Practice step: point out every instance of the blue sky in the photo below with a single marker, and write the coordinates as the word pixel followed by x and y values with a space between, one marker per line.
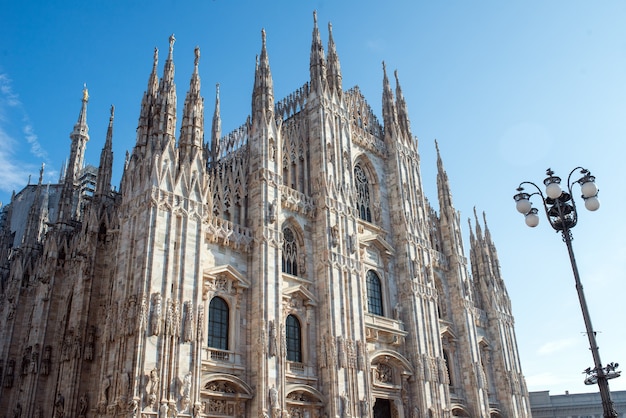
pixel 507 88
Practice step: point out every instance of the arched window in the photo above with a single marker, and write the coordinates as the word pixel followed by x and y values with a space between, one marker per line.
pixel 290 252
pixel 218 324
pixel 293 336
pixel 363 194
pixel 374 294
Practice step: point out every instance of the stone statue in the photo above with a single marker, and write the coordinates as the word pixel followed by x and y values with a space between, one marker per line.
pixel 82 406
pixel 59 406
pixel 154 381
pixel 155 315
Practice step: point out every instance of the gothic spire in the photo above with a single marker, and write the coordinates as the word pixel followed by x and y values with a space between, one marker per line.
pixel 389 108
pixel 79 137
pixel 443 185
pixel 147 103
pixel 403 113
pixel 216 131
pixel 32 232
pixel 167 101
pixel 103 184
pixel 192 128
pixel 334 68
pixel 318 62
pixel 263 93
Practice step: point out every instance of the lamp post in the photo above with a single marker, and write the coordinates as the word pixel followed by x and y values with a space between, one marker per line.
pixel 560 209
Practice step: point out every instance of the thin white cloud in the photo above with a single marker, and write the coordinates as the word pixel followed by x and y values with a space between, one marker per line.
pixel 10 101
pixel 13 173
pixel 552 347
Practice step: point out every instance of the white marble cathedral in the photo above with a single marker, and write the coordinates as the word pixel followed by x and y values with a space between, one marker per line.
pixel 291 268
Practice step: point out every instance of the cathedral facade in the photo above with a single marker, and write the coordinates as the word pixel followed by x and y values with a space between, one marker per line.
pixel 290 268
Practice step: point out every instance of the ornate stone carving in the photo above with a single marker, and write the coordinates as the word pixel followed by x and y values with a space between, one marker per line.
pixel 272 339
pixel 8 378
pixel 90 343
pixel 59 406
pixel 341 352
pixel 188 321
pixel 155 314
pixel 83 404
pixel 383 373
pixel 46 359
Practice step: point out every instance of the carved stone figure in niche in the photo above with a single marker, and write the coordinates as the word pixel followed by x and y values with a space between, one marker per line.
pixel 397 312
pixel 271 212
pixel 83 402
pixel 45 361
pixel 59 406
pixel 187 385
pixel 123 386
pixel 341 350
pixel 188 322
pixel 200 327
pixel 360 355
pixel 131 314
pixel 67 345
pixel 377 211
pixel 274 402
pixel 345 405
pixel 8 379
pixel 334 235
pixel 26 360
pixel 106 384
pixel 143 314
pixel 155 315
pixel 302 264
pixel 89 344
pixel 34 360
pixel 351 353
pixel 154 381
pixel 76 346
pixel 272 339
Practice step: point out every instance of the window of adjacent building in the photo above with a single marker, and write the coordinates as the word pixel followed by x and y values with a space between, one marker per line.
pixel 293 339
pixel 290 252
pixel 218 324
pixel 374 294
pixel 363 194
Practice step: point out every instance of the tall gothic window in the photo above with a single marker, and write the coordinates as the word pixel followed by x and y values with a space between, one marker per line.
pixel 293 337
pixel 290 252
pixel 218 324
pixel 374 294
pixel 363 194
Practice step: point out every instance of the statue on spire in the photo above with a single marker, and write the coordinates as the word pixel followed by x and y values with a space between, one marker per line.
pixel 85 93
pixel 196 51
pixel 172 40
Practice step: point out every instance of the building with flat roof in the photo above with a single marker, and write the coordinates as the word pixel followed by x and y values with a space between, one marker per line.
pixel 575 405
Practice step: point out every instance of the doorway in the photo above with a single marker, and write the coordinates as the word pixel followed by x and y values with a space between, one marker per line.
pixel 382 408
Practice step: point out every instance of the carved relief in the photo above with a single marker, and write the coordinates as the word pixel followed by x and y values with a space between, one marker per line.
pixel 383 373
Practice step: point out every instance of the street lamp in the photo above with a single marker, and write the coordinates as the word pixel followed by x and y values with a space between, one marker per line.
pixel 560 209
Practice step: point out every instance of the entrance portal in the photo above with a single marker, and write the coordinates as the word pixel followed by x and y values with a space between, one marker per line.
pixel 382 408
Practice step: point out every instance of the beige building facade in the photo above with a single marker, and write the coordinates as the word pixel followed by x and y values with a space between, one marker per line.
pixel 290 268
